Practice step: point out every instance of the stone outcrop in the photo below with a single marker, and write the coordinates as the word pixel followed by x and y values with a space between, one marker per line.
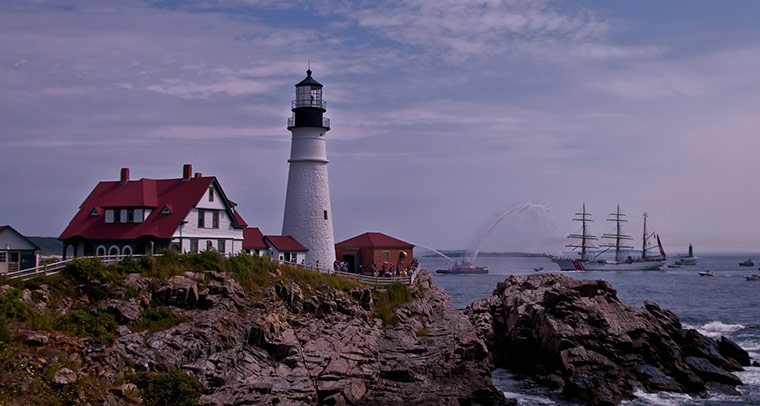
pixel 297 344
pixel 579 337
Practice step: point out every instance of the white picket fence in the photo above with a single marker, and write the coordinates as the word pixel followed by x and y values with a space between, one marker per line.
pixel 56 267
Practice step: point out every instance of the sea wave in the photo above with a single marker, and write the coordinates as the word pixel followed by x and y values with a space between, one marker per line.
pixel 750 376
pixel 715 329
pixel 523 399
pixel 660 398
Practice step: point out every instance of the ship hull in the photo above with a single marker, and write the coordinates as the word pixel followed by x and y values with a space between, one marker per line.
pixel 566 264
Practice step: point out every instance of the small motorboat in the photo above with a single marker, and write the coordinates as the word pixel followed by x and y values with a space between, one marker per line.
pixel 674 266
pixel 748 262
pixel 754 277
pixel 706 273
pixel 539 269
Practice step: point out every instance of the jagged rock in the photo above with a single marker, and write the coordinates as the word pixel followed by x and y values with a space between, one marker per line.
pixel 125 312
pixel 65 376
pixel 578 336
pixel 177 291
pixel 296 345
pixel 34 338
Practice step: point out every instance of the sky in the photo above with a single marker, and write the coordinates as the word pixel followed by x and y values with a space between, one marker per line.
pixel 444 113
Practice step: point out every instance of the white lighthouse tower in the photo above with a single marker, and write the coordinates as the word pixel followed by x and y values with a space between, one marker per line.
pixel 308 214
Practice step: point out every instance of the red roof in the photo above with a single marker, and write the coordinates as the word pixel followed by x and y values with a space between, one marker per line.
pixel 253 239
pixel 285 243
pixel 373 240
pixel 180 195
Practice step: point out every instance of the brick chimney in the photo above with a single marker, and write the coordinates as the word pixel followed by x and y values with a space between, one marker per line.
pixel 187 171
pixel 124 178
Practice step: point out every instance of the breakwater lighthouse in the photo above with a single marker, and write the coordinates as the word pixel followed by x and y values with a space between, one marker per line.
pixel 308 214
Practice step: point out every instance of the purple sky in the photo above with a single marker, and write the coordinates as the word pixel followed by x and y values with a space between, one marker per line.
pixel 443 116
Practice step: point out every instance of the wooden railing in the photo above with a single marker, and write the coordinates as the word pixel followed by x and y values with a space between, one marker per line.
pixel 56 267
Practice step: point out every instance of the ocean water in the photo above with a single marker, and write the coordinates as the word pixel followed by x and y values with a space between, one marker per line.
pixel 726 304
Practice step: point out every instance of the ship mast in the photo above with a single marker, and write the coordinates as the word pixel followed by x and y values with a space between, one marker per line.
pixel 644 239
pixel 619 237
pixel 585 237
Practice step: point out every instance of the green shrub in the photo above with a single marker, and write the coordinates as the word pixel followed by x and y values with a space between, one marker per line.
pixel 155 319
pixel 250 271
pixel 390 299
pixel 167 388
pixel 206 261
pixel 99 325
pixel 11 307
pixel 88 270
pixel 423 332
pixel 5 333
pixel 128 265
pixel 318 280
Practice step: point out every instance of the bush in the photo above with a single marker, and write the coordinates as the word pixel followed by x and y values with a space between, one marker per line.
pixel 390 299
pixel 167 388
pixel 318 280
pixel 155 319
pixel 101 326
pixel 11 307
pixel 88 270
pixel 5 334
pixel 206 261
pixel 250 271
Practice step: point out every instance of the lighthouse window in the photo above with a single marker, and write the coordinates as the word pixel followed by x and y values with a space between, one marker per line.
pixel 325 212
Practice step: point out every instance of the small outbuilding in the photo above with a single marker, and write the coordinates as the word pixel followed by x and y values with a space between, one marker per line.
pixel 374 248
pixel 16 251
pixel 286 248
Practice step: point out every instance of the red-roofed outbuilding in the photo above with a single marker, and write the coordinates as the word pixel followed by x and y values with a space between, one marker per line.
pixel 125 217
pixel 374 248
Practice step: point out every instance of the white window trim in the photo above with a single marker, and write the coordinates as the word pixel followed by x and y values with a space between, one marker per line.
pixel 98 251
pixel 125 249
pixel 111 248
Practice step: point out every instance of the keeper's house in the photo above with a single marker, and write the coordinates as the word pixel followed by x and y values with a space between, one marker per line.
pixel 16 251
pixel 126 217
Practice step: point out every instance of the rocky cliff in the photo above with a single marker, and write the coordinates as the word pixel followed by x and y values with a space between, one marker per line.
pixel 289 338
pixel 579 337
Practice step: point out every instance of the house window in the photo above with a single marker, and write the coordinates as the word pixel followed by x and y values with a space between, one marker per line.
pixel 210 194
pixel 127 250
pixel 13 257
pixel 100 251
pixel 139 215
pixel 114 250
pixel 386 256
pixel 201 219
pixel 193 245
pixel 222 246
pixel 325 213
pixel 3 256
pixel 215 219
pixel 209 245
pixel 109 215
pixel 123 216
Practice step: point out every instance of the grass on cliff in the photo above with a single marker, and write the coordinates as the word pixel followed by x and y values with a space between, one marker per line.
pixel 153 319
pixel 167 388
pixel 390 299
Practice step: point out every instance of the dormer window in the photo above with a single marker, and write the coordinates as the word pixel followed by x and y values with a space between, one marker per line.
pixel 166 210
pixel 94 213
pixel 109 215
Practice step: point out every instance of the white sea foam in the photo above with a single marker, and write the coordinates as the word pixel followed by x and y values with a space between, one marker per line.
pixel 750 375
pixel 523 399
pixel 715 329
pixel 660 398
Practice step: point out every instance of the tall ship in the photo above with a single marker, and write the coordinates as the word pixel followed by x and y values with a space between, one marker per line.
pixel 589 260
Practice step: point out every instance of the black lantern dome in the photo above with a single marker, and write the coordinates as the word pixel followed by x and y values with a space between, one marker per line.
pixel 308 108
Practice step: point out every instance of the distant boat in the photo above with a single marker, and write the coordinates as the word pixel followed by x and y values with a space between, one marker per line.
pixel 464 267
pixel 621 262
pixel 753 277
pixel 706 273
pixel 689 260
pixel 674 266
pixel 747 263
pixel 539 269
